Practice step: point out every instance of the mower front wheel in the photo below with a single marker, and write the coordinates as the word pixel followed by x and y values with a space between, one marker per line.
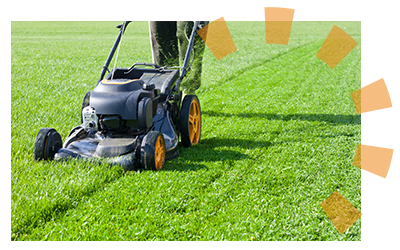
pixel 47 143
pixel 152 151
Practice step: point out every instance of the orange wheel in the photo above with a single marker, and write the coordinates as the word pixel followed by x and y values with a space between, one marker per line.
pixel 159 154
pixel 152 151
pixel 190 122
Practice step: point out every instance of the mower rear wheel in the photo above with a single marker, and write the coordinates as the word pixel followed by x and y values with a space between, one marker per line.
pixel 152 151
pixel 47 143
pixel 190 121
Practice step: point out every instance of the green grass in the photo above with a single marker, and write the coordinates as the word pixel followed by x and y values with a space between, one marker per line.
pixel 279 135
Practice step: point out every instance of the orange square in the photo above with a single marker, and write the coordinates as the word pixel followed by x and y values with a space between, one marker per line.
pixel 340 212
pixel 335 47
pixel 218 39
pixel 371 97
pixel 375 96
pixel 278 24
pixel 373 159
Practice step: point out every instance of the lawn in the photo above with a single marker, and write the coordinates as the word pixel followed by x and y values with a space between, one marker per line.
pixel 279 135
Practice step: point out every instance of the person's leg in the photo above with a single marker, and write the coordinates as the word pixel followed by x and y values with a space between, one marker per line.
pixel 192 81
pixel 164 43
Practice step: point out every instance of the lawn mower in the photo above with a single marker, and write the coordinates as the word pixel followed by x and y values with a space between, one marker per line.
pixel 132 118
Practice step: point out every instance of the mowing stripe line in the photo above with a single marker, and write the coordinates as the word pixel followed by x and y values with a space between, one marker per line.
pixel 251 67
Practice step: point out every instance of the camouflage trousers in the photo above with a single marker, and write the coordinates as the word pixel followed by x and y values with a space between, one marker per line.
pixel 169 41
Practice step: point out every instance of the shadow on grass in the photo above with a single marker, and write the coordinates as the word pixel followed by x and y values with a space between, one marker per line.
pixel 213 150
pixel 329 118
pixel 223 149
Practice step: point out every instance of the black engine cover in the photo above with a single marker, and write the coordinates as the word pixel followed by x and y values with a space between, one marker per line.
pixel 119 97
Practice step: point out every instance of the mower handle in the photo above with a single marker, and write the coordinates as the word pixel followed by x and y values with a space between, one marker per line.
pixel 144 64
pixel 124 24
pixel 122 28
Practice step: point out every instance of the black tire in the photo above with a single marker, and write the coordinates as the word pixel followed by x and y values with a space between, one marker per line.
pixel 152 151
pixel 47 144
pixel 190 121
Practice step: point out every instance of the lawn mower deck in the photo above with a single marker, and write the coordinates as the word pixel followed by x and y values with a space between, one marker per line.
pixel 132 118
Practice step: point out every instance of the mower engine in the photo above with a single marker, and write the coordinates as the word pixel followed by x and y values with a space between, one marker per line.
pixel 120 105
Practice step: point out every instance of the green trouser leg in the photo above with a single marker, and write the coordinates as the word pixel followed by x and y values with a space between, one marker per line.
pixel 167 52
pixel 192 81
pixel 164 43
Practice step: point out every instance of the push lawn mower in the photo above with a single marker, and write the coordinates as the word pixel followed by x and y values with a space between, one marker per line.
pixel 133 117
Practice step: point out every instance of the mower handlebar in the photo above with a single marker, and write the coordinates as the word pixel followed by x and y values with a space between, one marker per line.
pixel 124 24
pixel 122 28
pixel 144 64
